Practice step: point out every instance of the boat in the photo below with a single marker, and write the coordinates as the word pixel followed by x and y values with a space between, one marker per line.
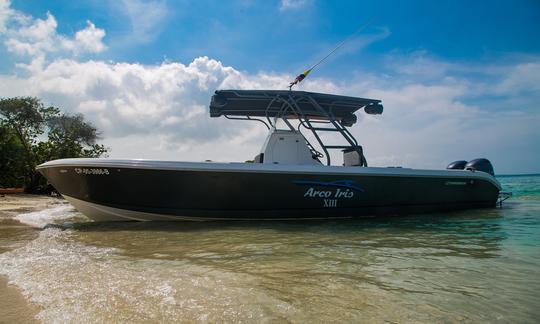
pixel 291 178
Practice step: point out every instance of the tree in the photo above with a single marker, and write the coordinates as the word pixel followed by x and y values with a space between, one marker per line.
pixel 23 122
pixel 24 118
pixel 12 159
pixel 71 136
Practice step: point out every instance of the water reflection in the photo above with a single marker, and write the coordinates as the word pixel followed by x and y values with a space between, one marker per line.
pixel 472 234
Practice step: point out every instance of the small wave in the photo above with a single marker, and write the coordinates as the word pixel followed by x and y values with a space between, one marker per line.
pixel 47 216
pixel 74 282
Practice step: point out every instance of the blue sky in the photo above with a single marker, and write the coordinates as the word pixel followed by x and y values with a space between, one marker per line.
pixel 260 35
pixel 459 79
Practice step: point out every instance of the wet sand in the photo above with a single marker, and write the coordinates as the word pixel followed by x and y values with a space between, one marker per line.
pixel 14 307
pixel 20 203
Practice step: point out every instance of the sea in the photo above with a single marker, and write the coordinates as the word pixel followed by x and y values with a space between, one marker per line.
pixel 469 266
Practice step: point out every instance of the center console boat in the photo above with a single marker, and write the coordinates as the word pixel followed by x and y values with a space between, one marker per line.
pixel 291 178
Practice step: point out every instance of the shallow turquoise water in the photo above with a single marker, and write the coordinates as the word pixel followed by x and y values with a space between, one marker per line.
pixel 471 266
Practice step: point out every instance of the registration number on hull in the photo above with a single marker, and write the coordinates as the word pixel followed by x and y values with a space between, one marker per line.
pixel 92 171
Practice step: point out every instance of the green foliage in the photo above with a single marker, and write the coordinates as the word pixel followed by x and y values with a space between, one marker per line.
pixel 24 122
pixel 71 136
pixel 12 159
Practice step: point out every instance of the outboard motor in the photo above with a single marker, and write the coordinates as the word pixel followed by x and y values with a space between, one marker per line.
pixel 480 165
pixel 457 165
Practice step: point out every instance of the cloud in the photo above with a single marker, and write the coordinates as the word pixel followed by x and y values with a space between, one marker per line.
pixel 522 78
pixel 161 111
pixel 146 18
pixel 123 99
pixel 419 65
pixel 293 4
pixel 89 39
pixel 356 43
pixel 5 13
pixel 37 38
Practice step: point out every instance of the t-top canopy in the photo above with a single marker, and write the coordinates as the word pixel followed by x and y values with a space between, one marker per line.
pixel 291 104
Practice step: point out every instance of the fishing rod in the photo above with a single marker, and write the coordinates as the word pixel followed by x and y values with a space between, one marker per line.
pixel 303 75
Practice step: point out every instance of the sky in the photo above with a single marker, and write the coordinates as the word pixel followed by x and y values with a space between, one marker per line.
pixel 458 79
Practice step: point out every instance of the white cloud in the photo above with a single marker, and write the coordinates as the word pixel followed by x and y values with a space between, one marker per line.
pixel 146 18
pixel 89 39
pixel 37 38
pixel 167 101
pixel 354 44
pixel 292 4
pixel 419 65
pixel 160 111
pixel 522 78
pixel 33 39
pixel 5 13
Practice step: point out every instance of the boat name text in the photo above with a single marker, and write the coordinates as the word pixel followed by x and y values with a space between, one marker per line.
pixel 338 193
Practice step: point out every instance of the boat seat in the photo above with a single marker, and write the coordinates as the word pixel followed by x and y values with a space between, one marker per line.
pixel 354 157
pixel 259 158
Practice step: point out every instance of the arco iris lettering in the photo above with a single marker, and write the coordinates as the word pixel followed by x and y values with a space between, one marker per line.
pixel 336 193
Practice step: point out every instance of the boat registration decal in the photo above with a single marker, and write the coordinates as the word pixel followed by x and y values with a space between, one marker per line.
pixel 92 171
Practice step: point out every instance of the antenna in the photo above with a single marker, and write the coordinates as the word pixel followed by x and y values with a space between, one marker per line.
pixel 303 75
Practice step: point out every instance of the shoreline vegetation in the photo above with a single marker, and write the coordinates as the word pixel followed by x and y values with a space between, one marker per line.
pixel 32 133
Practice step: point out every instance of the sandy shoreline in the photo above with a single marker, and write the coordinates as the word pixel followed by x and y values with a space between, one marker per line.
pixel 14 307
pixel 21 203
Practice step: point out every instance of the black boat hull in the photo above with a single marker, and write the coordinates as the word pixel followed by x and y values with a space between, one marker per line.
pixel 141 191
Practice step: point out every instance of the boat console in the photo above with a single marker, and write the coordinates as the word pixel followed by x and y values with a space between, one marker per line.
pixel 286 147
pixel 315 112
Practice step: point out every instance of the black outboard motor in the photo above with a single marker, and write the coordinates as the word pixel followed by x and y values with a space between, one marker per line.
pixel 480 165
pixel 457 165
